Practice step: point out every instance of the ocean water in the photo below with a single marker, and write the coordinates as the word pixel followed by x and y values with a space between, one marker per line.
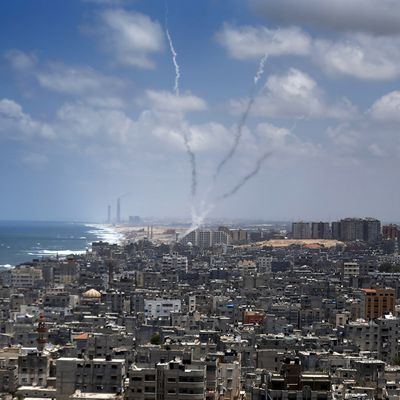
pixel 22 241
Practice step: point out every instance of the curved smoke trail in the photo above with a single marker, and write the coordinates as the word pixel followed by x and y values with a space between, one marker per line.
pixel 247 177
pixel 243 120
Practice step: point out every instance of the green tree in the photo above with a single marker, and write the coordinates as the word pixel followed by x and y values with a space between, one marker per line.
pixel 155 338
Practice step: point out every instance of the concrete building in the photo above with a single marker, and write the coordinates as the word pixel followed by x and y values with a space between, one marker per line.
pixel 264 264
pixel 390 231
pixel 292 383
pixel 174 262
pixel 367 230
pixel 376 303
pixel 167 381
pixel 301 230
pixel 33 368
pixel 350 269
pixel 161 307
pixel 352 229
pixel 89 375
pixel 26 277
pixel 320 230
pixel 206 238
pixel 336 230
pixel 372 230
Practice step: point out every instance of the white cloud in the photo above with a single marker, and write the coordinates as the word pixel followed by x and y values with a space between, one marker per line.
pixel 281 140
pixel 360 56
pixel 15 123
pixel 294 94
pixel 209 137
pixel 380 17
pixel 168 101
pixel 80 120
pixel 345 137
pixel 111 102
pixel 387 108
pixel 76 80
pixel 254 42
pixel 131 37
pixel 19 60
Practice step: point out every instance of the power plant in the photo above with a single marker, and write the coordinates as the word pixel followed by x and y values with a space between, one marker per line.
pixel 118 221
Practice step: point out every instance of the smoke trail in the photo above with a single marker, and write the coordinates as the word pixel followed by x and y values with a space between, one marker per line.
pixel 238 136
pixel 174 60
pixel 243 119
pixel 198 218
pixel 192 156
pixel 260 70
pixel 192 159
pixel 247 177
pixel 239 132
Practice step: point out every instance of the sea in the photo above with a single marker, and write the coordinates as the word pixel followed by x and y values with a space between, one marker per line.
pixel 22 241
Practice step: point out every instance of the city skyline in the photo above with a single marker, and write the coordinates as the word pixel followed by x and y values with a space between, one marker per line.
pixel 93 105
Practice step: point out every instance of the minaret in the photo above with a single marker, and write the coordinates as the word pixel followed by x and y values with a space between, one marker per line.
pixel 41 333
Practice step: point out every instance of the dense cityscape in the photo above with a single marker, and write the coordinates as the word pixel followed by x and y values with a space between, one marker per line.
pixel 198 200
pixel 221 313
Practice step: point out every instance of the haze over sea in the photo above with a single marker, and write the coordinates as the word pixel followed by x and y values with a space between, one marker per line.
pixel 21 241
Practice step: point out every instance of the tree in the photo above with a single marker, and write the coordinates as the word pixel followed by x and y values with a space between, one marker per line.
pixel 155 339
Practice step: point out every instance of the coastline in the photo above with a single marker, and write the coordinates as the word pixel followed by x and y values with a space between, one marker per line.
pixel 22 242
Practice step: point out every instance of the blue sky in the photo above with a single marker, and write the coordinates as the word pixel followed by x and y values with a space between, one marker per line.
pixel 88 109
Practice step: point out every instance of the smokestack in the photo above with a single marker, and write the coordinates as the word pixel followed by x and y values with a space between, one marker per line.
pixel 118 210
pixel 109 214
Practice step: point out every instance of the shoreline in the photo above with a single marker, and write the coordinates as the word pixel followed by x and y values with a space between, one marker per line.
pixel 58 243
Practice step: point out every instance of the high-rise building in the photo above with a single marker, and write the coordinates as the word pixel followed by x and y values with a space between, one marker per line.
pixel 336 230
pixel 367 230
pixel 320 230
pixel 352 229
pixel 376 303
pixel 372 230
pixel 109 214
pixel 390 231
pixel 205 238
pixel 301 230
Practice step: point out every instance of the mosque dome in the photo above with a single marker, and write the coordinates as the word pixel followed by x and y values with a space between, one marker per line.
pixel 92 294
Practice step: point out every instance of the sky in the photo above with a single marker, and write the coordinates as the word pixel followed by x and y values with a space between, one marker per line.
pixel 288 109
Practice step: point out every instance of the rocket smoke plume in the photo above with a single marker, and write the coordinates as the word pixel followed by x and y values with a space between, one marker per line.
pixel 192 156
pixel 260 70
pixel 246 178
pixel 192 159
pixel 243 119
pixel 199 217
pixel 177 69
